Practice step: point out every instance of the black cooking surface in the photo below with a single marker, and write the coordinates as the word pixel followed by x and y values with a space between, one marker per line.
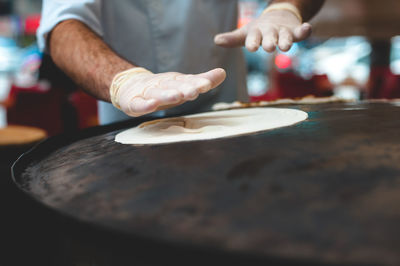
pixel 327 189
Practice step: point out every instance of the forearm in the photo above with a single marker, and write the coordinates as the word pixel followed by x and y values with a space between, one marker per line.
pixel 84 57
pixel 307 8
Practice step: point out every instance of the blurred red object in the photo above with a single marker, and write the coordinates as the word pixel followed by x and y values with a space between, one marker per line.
pixel 86 108
pixel 383 84
pixel 51 109
pixel 35 106
pixel 283 61
pixel 31 24
pixel 290 85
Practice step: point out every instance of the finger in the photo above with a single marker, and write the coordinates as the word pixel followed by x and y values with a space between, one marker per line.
pixel 189 89
pixel 253 40
pixel 201 84
pixel 215 76
pixel 285 39
pixel 163 94
pixel 234 38
pixel 139 106
pixel 270 40
pixel 302 32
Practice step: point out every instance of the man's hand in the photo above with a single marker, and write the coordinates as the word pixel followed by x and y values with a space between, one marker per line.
pixel 138 91
pixel 274 28
pixel 86 58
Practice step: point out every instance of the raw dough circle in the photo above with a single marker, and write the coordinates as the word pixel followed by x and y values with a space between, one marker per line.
pixel 211 125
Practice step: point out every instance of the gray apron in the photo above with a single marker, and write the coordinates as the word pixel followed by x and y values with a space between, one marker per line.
pixel 162 36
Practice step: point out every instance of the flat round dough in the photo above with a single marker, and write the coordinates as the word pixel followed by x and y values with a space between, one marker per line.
pixel 211 125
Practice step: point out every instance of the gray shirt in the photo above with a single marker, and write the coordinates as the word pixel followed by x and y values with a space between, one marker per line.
pixel 162 36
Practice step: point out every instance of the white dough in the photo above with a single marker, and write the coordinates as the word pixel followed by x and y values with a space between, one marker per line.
pixel 211 125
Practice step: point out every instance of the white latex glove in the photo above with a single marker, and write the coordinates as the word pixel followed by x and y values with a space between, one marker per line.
pixel 275 27
pixel 138 91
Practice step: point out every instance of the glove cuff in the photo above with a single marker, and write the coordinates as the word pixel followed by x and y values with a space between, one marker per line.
pixel 120 79
pixel 284 6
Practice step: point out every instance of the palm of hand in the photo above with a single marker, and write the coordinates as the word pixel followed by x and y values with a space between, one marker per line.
pixel 147 92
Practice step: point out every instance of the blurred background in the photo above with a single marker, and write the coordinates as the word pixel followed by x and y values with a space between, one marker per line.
pixel 354 54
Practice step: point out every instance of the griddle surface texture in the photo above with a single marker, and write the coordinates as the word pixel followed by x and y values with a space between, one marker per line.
pixel 327 189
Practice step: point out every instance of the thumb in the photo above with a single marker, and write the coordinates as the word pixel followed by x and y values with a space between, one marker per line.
pixel 138 106
pixel 215 76
pixel 234 38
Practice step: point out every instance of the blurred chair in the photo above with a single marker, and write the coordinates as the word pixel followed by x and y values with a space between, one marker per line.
pixel 54 104
pixel 290 85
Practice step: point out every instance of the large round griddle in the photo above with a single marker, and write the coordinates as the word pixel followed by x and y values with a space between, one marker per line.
pixel 324 190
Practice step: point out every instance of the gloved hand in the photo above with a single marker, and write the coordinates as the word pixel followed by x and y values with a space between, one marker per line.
pixel 279 25
pixel 138 91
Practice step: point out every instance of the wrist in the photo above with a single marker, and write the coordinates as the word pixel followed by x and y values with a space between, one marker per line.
pixel 284 6
pixel 120 79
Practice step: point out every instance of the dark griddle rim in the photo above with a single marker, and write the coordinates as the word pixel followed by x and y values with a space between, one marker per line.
pixel 179 253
